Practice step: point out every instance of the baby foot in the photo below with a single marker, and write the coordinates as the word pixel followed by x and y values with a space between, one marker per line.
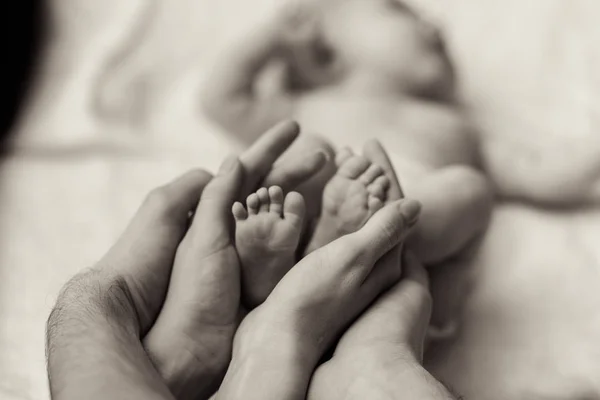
pixel 350 198
pixel 279 343
pixel 267 235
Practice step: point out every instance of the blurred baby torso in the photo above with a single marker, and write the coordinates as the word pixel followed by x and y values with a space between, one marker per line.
pixel 419 135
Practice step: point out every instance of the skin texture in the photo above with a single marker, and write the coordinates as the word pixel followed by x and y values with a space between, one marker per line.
pixel 267 235
pixel 312 305
pixel 129 287
pixel 357 190
pixel 353 69
pixel 378 357
pixel 93 336
pixel 269 227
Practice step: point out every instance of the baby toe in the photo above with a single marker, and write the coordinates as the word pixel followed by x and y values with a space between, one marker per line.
pixel 384 182
pixel 263 198
pixel 379 188
pixel 372 173
pixel 353 167
pixel 276 196
pixel 239 212
pixel 376 191
pixel 252 203
pixel 374 204
pixel 294 208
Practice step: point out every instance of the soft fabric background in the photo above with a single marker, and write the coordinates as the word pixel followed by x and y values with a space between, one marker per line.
pixel 115 112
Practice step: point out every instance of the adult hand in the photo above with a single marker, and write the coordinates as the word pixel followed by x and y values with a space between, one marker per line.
pixel 380 355
pixel 280 342
pixel 93 337
pixel 149 286
pixel 190 343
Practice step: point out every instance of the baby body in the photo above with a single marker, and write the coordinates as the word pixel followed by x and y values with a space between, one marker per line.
pixel 360 69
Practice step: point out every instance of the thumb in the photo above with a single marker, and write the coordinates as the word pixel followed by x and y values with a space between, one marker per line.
pixel 292 174
pixel 214 209
pixel 387 228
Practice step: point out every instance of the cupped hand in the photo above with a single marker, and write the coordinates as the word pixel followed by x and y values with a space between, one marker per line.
pixel 148 286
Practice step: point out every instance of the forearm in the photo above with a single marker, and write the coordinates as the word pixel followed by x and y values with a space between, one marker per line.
pixel 271 369
pixel 93 347
pixel 231 95
pixel 410 382
pixel 242 63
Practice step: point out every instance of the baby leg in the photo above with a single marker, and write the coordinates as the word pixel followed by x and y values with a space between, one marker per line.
pixel 457 204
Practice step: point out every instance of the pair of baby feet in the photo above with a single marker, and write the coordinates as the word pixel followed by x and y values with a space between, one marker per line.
pixel 352 258
pixel 270 228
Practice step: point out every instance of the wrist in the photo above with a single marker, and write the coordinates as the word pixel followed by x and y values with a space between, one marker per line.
pixel 370 373
pixel 259 340
pixel 386 380
pixel 271 371
pixel 191 369
pixel 263 358
pixel 93 346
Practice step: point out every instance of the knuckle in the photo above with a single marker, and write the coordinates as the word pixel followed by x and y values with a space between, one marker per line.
pixel 200 174
pixel 93 292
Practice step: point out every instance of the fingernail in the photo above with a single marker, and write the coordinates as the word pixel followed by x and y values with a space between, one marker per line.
pixel 228 165
pixel 410 210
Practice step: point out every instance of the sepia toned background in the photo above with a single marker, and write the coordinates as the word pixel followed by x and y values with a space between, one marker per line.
pixel 113 110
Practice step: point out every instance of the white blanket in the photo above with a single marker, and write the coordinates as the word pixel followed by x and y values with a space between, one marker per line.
pixel 115 112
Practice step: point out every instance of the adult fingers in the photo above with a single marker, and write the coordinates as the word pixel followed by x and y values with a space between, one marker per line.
pixel 259 159
pixel 211 228
pixel 379 244
pixel 386 229
pixel 190 342
pixel 206 245
pixel 296 171
pixel 144 254
pixel 373 252
pixel 167 208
